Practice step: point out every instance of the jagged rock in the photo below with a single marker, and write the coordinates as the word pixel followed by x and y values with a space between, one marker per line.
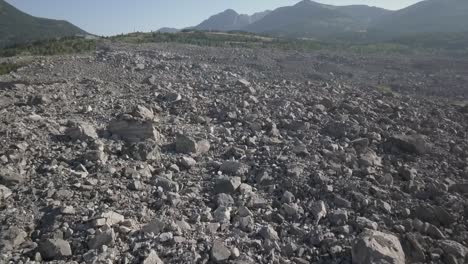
pixel 112 218
pixel 9 177
pixel 434 215
pixel 413 144
pixel 233 168
pixel 319 211
pixel 166 184
pixel 81 131
pixel 104 236
pixel 222 214
pixel 339 217
pixel 54 249
pixel 267 232
pixel 186 145
pixel 460 188
pixel 287 197
pixel 133 130
pixel 227 184
pixel 219 252
pixel 223 199
pixel 4 192
pixel 144 151
pixel 143 113
pixel 187 162
pixel 454 248
pixel 11 238
pixel 374 247
pixel 156 226
pixel 152 258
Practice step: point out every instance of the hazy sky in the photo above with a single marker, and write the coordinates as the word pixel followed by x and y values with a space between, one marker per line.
pixel 109 17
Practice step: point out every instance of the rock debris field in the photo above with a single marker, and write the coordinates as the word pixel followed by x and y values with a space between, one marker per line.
pixel 167 153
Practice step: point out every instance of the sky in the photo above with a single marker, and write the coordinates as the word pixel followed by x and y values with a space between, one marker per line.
pixel 111 17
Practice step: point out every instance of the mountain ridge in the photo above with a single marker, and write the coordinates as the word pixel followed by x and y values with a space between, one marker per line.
pixel 18 27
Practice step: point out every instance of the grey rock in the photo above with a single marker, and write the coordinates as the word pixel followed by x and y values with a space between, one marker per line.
pixel 224 199
pixel 227 184
pixel 222 214
pixel 434 214
pixel 5 192
pixel 166 184
pixel 104 236
pixel 11 238
pixel 318 210
pixel 219 252
pixel 267 232
pixel 185 144
pixel 412 144
pixel 133 130
pixel 339 217
pixel 459 187
pixel 233 168
pixel 287 197
pixel 51 249
pixel 81 131
pixel 454 248
pixel 9 177
pixel 187 162
pixel 372 247
pixel 144 151
pixel 143 113
pixel 156 226
pixel 152 258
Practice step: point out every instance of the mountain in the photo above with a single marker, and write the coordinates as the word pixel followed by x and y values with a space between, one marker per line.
pixel 315 20
pixel 168 30
pixel 19 27
pixel 430 16
pixel 229 20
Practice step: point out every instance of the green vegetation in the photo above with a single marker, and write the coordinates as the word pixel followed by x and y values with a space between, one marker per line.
pixel 69 45
pixel 454 44
pixel 457 43
pixel 6 68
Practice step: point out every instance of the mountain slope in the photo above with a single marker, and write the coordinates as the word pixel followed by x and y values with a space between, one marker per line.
pixel 428 16
pixel 315 20
pixel 229 20
pixel 19 27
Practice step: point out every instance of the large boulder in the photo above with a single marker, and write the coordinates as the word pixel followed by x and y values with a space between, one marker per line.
pixel 54 249
pixel 81 131
pixel 410 144
pixel 132 129
pixel 375 247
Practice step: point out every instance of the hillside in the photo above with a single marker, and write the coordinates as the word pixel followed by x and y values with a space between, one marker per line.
pixel 314 20
pixel 19 27
pixel 430 16
pixel 229 20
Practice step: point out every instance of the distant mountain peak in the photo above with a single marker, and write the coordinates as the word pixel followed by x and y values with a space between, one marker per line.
pixel 230 11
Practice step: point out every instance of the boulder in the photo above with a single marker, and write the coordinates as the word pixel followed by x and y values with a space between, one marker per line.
pixel 219 252
pixel 375 247
pixel 152 258
pixel 51 249
pixel 81 131
pixel 144 151
pixel 185 144
pixel 410 144
pixel 133 130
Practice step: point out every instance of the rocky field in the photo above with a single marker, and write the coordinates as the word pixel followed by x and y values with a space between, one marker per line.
pixel 166 153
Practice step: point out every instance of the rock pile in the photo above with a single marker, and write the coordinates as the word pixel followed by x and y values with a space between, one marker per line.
pixel 180 154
